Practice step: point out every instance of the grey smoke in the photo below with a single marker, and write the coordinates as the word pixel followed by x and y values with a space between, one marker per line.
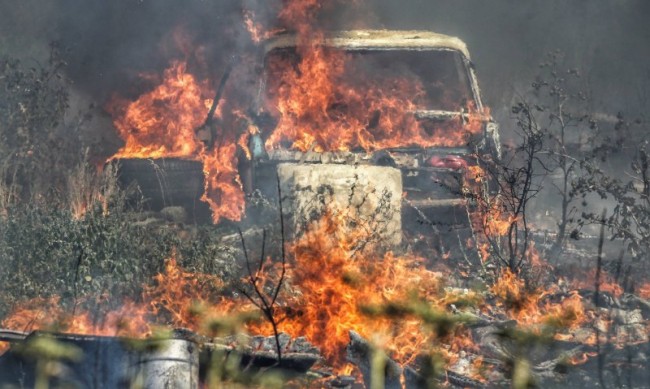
pixel 111 42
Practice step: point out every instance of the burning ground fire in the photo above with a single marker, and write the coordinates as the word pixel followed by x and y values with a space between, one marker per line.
pixel 331 288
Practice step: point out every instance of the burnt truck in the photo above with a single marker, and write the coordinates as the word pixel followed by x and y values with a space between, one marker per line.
pixel 401 179
pixel 384 124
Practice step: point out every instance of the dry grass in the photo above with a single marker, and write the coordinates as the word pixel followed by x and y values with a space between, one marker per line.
pixel 8 190
pixel 88 187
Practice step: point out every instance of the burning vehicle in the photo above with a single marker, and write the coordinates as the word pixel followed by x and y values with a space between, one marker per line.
pixel 396 116
pixel 405 103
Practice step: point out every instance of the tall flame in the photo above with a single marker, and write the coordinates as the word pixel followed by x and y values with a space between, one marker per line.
pixel 325 103
pixel 163 122
pixel 334 282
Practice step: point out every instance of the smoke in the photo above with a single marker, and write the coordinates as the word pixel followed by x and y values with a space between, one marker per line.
pixel 111 43
pixel 112 47
pixel 606 40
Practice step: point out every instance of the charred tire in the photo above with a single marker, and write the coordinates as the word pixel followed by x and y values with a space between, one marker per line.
pixel 163 182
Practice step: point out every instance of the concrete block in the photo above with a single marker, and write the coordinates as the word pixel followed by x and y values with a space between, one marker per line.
pixel 369 195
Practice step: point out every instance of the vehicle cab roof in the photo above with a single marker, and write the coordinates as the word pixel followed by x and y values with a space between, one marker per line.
pixel 376 40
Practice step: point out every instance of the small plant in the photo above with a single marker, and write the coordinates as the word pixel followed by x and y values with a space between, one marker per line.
pixel 263 287
pixel 504 217
pixel 557 155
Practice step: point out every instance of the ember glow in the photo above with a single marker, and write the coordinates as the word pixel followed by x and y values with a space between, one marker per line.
pixel 47 314
pixel 605 281
pixel 162 123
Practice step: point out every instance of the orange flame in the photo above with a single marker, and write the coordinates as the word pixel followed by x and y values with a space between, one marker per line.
pixel 529 307
pixel 607 283
pixel 163 123
pixel 333 278
pixel 325 104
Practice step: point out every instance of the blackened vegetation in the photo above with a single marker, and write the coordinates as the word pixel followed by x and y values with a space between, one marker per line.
pixel 519 184
pixel 37 146
pixel 564 166
pixel 567 166
pixel 262 290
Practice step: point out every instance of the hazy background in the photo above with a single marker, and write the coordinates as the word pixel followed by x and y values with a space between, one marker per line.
pixel 110 42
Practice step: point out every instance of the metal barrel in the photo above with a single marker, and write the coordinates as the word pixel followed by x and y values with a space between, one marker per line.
pixel 170 364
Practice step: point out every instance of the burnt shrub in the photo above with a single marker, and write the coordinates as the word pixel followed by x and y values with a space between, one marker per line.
pixel 47 252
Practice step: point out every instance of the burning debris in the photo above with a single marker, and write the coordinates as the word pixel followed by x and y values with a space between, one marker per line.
pixel 333 288
pixel 344 158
